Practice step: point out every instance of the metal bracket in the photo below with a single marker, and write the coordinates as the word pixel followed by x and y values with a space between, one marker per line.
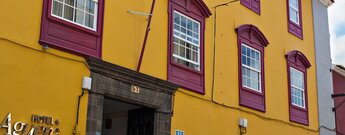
pixel 338 95
pixel 138 13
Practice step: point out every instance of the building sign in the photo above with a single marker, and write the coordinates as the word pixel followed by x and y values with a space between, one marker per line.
pixel 43 125
pixel 179 132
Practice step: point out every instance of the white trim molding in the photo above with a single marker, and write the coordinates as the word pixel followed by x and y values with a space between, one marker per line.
pixel 327 2
pixel 339 69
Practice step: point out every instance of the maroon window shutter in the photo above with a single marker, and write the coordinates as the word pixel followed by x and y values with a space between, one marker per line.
pixel 67 36
pixel 293 28
pixel 253 37
pixel 297 60
pixel 186 77
pixel 252 5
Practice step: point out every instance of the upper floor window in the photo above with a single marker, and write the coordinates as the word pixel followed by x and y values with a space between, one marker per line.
pixel 297 87
pixel 186 43
pixel 80 12
pixel 295 18
pixel 73 25
pixel 251 68
pixel 294 11
pixel 253 5
pixel 297 65
pixel 251 44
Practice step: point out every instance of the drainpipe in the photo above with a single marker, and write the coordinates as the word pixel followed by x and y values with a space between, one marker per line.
pixel 146 36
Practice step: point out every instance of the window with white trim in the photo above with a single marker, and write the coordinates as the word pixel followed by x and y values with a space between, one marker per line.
pixel 251 68
pixel 186 40
pixel 80 12
pixel 294 11
pixel 297 87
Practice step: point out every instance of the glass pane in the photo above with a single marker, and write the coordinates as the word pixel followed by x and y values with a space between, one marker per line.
pixel 293 3
pixel 90 6
pixel 183 30
pixel 195 36
pixel 176 18
pixel 80 17
pixel 248 61
pixel 183 21
pixel 189 33
pixel 176 27
pixel 188 53
pixel 70 2
pixel 195 56
pixel 182 49
pixel 248 51
pixel 176 49
pixel 190 24
pixel 57 8
pixel 89 19
pixel 81 4
pixel 293 15
pixel 196 27
pixel 195 48
pixel 68 13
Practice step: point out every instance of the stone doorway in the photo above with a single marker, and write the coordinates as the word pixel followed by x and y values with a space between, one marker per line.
pixel 121 84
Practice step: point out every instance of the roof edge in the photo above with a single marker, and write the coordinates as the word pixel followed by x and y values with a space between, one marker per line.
pixel 327 2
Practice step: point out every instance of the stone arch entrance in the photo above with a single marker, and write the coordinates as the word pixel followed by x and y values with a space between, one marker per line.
pixel 115 82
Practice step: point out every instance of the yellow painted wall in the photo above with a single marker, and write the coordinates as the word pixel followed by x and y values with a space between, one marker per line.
pixel 194 113
pixel 27 72
pixel 33 80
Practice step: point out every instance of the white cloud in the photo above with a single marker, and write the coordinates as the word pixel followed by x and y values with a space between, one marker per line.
pixel 338 49
pixel 336 21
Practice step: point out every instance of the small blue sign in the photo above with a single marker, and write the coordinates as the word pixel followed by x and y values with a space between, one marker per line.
pixel 179 132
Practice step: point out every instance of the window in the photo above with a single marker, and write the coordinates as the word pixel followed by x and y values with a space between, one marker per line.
pixel 251 68
pixel 73 25
pixel 251 44
pixel 80 12
pixel 295 18
pixel 186 43
pixel 294 11
pixel 297 87
pixel 253 5
pixel 297 65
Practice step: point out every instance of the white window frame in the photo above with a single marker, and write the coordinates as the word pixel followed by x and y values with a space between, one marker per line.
pixel 297 88
pixel 197 63
pixel 292 7
pixel 95 14
pixel 253 69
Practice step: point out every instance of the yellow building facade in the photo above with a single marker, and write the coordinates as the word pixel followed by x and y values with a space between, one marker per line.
pixel 42 79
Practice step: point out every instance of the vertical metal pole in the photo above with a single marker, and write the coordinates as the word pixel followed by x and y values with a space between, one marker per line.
pixel 146 35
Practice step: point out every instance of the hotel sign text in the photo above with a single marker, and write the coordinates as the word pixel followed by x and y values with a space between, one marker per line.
pixel 45 126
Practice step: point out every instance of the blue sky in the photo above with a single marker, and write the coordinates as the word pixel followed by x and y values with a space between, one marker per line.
pixel 340 30
pixel 337 30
